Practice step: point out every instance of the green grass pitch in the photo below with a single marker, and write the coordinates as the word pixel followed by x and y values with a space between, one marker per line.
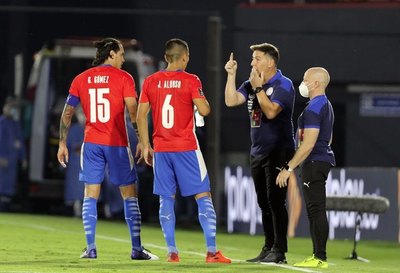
pixel 38 243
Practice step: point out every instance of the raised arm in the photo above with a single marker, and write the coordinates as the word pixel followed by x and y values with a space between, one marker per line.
pixel 232 97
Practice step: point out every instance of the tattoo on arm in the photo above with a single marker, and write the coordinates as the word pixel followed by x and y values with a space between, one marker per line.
pixel 65 121
pixel 134 124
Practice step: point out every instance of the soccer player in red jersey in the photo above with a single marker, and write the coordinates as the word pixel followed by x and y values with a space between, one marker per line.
pixel 105 91
pixel 172 94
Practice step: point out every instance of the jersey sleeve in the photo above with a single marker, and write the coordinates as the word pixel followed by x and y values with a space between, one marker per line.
pixel 129 86
pixel 73 89
pixel 283 95
pixel 73 98
pixel 311 119
pixel 243 89
pixel 197 89
pixel 144 94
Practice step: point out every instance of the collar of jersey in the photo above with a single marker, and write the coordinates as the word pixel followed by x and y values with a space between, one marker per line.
pixel 178 70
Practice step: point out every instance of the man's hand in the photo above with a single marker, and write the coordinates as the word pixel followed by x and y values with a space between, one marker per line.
pixel 62 154
pixel 256 79
pixel 231 65
pixel 139 152
pixel 282 178
pixel 148 155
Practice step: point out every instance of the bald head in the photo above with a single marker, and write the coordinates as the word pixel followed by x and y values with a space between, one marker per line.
pixel 318 74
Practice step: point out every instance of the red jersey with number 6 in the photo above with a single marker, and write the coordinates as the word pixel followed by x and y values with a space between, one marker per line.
pixel 170 95
pixel 101 91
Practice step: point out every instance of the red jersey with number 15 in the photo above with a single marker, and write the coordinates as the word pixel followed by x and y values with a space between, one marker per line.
pixel 101 91
pixel 170 95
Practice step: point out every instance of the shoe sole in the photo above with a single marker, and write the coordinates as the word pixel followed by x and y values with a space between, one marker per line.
pixel 280 262
pixel 310 266
pixel 144 259
pixel 258 259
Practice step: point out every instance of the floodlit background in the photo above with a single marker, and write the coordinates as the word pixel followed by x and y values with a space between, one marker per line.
pixel 357 41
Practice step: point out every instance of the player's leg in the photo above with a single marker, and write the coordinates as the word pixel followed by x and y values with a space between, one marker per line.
pixel 91 173
pixel 89 218
pixel 165 187
pixel 167 222
pixel 132 214
pixel 123 175
pixel 207 219
pixel 193 179
pixel 208 222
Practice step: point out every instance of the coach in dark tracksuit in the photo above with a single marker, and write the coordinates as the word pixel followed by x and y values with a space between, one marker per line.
pixel 316 157
pixel 270 99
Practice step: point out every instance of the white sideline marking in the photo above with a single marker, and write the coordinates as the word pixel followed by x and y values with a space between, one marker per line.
pixel 40 227
pixel 104 237
pixel 1 271
pixel 292 267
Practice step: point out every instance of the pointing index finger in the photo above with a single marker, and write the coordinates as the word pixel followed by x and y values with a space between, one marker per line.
pixel 231 57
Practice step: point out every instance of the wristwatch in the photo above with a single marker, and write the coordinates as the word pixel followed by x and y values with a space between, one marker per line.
pixel 258 89
pixel 288 168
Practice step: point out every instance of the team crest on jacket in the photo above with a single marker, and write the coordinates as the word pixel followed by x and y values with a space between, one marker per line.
pixel 269 91
pixel 201 92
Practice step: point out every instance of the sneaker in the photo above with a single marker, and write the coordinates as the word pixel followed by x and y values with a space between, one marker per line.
pixel 217 258
pixel 143 255
pixel 173 257
pixel 91 254
pixel 274 257
pixel 313 262
pixel 264 252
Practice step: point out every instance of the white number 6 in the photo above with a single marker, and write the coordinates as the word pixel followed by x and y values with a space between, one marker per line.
pixel 167 113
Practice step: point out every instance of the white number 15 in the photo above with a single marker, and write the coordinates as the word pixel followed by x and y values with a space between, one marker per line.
pixel 99 105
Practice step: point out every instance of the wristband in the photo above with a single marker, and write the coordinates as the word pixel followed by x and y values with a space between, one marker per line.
pixel 288 168
pixel 258 90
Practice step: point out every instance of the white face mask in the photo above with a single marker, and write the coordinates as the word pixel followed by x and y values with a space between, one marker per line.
pixel 303 89
pixel 14 114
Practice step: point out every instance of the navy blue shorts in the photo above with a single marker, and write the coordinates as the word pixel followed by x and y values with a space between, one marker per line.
pixel 118 159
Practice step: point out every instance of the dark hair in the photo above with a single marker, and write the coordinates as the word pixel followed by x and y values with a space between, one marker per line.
pixel 269 49
pixel 103 49
pixel 174 48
